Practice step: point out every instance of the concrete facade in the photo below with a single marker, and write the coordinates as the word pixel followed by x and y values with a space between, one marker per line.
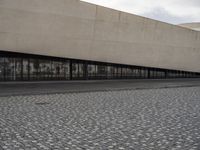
pixel 75 29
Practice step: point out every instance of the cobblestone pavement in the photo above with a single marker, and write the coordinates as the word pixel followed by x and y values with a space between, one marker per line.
pixel 154 119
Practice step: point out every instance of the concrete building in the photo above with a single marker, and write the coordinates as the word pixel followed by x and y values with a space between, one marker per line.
pixel 70 39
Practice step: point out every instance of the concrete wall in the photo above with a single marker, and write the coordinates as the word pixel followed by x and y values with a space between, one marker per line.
pixel 74 29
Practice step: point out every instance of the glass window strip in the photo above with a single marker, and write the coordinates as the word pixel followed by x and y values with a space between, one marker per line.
pixel 16 68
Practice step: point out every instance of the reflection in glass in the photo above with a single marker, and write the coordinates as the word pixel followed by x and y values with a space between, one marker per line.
pixel 129 72
pixel 124 71
pixel 12 68
pixel 25 69
pixel 9 69
pixel 75 70
pixel 101 71
pixel 91 70
pixel 66 68
pixel 117 72
pixel 78 70
pixel 144 73
pixel 81 70
pixel 33 69
pixel 43 68
pixel 1 68
pixel 18 68
pixel 110 72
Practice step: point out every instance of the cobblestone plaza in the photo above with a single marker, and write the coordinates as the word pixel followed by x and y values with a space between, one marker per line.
pixel 150 119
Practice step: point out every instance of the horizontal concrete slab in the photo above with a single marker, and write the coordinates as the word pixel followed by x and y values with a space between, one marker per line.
pixel 55 87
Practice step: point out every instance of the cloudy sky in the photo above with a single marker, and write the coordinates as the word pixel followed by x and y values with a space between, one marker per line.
pixel 171 11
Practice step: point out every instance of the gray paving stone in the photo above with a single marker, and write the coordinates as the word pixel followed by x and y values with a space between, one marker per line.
pixel 153 119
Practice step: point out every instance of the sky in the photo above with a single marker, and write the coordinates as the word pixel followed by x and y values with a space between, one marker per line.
pixel 171 11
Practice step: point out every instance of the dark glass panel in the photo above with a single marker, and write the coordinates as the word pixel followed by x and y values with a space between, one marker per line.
pixel 66 68
pixel 9 68
pixel 78 70
pixel 1 68
pixel 129 72
pixel 33 69
pixel 143 73
pixel 44 69
pixel 137 73
pixel 25 69
pixel 117 71
pixel 124 72
pixel 81 70
pixel 18 69
pixel 75 70
pixel 172 74
pixel 91 71
pixel 110 72
pixel 12 69
pixel 101 71
pixel 60 70
pixel 158 73
pixel 151 73
pixel 187 74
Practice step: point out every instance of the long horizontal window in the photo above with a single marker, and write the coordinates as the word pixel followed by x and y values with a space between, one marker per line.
pixel 18 67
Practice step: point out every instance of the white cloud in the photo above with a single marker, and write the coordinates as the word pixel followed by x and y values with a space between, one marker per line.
pixel 171 11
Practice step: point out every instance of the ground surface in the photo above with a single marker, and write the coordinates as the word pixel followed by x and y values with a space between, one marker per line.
pixel 50 87
pixel 148 119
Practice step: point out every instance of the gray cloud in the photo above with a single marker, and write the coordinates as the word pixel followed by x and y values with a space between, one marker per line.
pixel 191 2
pixel 171 11
pixel 162 15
